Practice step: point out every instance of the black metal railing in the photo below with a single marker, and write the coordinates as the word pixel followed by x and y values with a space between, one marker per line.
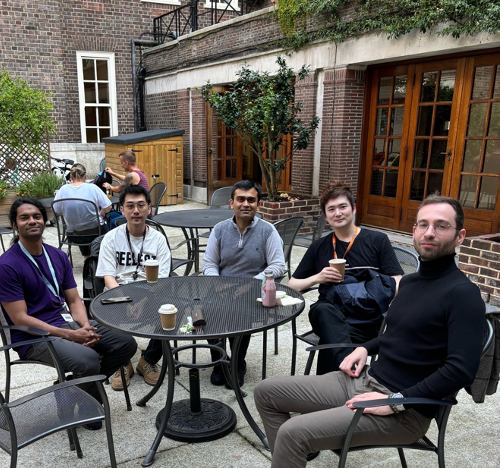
pixel 184 19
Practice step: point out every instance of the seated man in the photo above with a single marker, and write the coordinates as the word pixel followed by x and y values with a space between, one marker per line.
pixel 243 246
pixel 360 248
pixel 121 260
pixel 39 291
pixel 431 348
pixel 133 176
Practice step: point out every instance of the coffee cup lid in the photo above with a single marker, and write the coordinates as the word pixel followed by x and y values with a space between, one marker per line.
pixel 167 309
pixel 337 260
pixel 151 262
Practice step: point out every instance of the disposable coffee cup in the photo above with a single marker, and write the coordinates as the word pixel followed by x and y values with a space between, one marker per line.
pixel 168 316
pixel 339 265
pixel 151 267
pixel 280 295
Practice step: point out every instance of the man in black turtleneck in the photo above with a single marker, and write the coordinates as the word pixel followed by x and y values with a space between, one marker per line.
pixel 431 348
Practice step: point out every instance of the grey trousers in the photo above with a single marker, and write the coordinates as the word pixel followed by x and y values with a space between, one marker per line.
pixel 112 351
pixel 324 418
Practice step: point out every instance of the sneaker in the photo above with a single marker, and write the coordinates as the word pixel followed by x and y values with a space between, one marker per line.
pixel 116 381
pixel 150 372
pixel 217 379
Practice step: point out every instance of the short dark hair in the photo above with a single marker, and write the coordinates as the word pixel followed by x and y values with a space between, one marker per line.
pixel 435 198
pixel 25 201
pixel 334 190
pixel 134 190
pixel 128 156
pixel 247 184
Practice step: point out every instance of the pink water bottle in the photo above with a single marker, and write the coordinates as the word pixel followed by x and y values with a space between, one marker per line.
pixel 268 290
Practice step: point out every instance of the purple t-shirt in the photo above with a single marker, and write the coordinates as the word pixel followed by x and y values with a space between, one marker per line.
pixel 143 180
pixel 21 280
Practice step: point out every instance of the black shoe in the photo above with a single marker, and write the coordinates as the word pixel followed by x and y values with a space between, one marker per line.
pixel 93 426
pixel 312 456
pixel 217 379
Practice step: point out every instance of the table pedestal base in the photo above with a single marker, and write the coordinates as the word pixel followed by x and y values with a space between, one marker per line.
pixel 215 420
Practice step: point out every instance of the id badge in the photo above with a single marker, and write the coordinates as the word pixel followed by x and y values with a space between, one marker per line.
pixel 67 317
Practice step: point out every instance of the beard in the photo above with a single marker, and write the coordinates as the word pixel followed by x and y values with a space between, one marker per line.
pixel 440 250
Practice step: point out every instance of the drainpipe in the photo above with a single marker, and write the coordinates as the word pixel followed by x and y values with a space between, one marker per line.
pixel 191 169
pixel 319 132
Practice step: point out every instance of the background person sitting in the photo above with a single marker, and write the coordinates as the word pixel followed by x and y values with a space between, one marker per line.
pixel 80 217
pixel 134 175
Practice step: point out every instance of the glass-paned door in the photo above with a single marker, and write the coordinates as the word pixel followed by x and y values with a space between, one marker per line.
pixel 476 180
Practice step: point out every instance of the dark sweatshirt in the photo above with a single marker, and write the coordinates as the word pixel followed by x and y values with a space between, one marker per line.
pixel 432 345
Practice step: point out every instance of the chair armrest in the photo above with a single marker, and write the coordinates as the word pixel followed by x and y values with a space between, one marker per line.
pixel 31 330
pixel 27 342
pixel 333 345
pixel 53 388
pixel 403 401
pixel 180 244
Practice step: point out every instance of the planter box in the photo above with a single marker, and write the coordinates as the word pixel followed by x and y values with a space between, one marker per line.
pixel 308 209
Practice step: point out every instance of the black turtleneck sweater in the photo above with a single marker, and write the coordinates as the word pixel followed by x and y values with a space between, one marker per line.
pixel 432 345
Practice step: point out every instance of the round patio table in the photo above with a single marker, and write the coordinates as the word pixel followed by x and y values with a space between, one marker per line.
pixel 231 310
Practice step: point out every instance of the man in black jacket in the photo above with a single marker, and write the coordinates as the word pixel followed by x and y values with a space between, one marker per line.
pixel 431 348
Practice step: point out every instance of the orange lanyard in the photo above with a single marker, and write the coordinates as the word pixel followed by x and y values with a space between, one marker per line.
pixel 334 241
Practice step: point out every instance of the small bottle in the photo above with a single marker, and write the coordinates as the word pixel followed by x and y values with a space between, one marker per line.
pixel 268 290
pixel 108 191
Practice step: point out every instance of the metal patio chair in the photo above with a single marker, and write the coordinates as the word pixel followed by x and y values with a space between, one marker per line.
pixel 156 192
pixel 409 262
pixel 319 231
pixel 4 231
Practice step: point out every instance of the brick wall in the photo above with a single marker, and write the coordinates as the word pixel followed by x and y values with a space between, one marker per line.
pixel 480 260
pixel 308 209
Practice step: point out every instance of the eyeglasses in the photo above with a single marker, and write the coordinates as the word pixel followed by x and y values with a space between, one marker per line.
pixel 250 200
pixel 140 206
pixel 439 228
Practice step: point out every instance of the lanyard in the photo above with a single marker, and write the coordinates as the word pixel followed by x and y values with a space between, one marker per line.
pixel 334 241
pixel 55 291
pixel 135 275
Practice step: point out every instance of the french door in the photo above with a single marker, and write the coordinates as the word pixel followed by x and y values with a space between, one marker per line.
pixel 433 127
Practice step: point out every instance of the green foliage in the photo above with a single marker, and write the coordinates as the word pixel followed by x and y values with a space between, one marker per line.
pixel 261 109
pixel 42 186
pixel 4 187
pixel 391 17
pixel 23 108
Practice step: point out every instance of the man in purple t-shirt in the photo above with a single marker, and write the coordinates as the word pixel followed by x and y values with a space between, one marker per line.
pixel 39 291
pixel 134 175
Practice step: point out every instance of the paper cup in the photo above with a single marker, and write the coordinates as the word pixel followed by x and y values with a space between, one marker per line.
pixel 339 265
pixel 168 316
pixel 151 267
pixel 280 295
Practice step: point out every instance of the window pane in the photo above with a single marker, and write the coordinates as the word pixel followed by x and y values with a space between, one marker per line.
pixel 90 117
pixel 102 69
pixel 468 191
pixel 438 154
pixel 482 78
pixel 104 132
pixel 88 69
pixel 92 135
pixel 397 121
pixel 384 90
pixel 435 182
pixel 391 183
pixel 89 92
pixel 476 119
pixel 424 120
pixel 417 185
pixel 472 155
pixel 442 120
pixel 492 158
pixel 488 193
pixel 494 127
pixel 104 116
pixel 394 152
pixel 428 87
pixel 103 93
pixel 376 185
pixel 382 115
pixel 399 94
pixel 496 92
pixel 421 154
pixel 446 85
pixel 379 153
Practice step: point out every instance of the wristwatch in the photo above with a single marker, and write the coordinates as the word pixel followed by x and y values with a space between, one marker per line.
pixel 397 408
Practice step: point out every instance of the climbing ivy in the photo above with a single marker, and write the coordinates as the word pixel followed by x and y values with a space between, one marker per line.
pixel 305 21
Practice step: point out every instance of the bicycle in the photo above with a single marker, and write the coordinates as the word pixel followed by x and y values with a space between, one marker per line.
pixel 63 169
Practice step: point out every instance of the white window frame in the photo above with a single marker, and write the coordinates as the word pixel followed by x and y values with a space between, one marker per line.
pixel 164 2
pixel 222 6
pixel 110 57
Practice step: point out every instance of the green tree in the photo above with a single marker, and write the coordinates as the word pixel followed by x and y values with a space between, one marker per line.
pixel 25 115
pixel 262 111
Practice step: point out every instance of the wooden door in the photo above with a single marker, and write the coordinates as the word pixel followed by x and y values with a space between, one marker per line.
pixel 476 169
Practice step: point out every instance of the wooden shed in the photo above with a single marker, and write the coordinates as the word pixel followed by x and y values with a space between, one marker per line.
pixel 159 152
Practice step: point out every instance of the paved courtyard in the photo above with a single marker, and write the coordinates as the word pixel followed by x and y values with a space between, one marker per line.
pixel 472 440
